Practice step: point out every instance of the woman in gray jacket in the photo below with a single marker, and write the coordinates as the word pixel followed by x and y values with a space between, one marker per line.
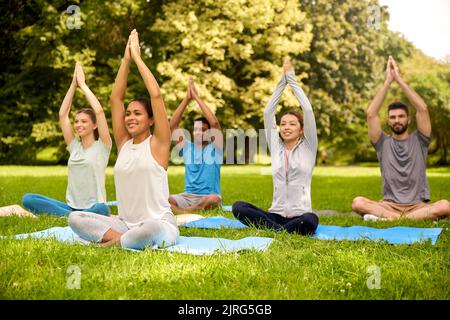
pixel 293 152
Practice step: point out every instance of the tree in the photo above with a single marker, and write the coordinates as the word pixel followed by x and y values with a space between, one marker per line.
pixel 39 62
pixel 233 49
pixel 343 67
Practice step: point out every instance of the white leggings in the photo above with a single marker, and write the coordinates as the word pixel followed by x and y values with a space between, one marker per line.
pixel 92 227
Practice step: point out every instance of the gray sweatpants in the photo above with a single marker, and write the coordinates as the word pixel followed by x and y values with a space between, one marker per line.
pixel 92 226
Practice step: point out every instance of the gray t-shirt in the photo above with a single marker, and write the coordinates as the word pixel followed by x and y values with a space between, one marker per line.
pixel 403 165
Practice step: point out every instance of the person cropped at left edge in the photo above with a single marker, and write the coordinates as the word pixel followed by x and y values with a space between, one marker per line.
pixel 89 149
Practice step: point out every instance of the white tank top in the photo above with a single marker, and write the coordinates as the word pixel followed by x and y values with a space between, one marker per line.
pixel 142 188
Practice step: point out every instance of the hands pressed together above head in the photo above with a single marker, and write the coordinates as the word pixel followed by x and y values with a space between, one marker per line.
pixel 81 78
pixel 133 48
pixel 287 65
pixel 78 79
pixel 191 92
pixel 392 71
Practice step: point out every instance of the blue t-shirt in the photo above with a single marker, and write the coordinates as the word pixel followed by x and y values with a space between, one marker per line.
pixel 202 168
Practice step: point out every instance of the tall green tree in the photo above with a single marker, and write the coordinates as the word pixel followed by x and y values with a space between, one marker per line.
pixel 344 66
pixel 42 41
pixel 233 49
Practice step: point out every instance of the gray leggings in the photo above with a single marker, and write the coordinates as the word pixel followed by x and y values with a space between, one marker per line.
pixel 91 226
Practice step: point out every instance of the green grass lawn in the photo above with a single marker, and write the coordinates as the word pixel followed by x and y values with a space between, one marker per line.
pixel 294 267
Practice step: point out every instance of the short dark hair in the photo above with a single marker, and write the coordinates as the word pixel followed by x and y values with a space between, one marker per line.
pixel 146 103
pixel 203 120
pixel 93 117
pixel 398 105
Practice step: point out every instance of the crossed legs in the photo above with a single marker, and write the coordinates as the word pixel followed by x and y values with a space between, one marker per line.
pixel 251 215
pixel 109 231
pixel 433 211
pixel 206 202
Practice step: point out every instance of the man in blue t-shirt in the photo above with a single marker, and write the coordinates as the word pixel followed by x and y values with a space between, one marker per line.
pixel 202 157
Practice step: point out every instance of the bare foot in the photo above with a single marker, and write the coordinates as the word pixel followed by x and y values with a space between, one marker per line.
pixel 178 210
pixel 15 210
pixel 187 217
pixel 113 242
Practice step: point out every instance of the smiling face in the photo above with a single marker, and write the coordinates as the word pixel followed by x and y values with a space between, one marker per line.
pixel 136 119
pixel 398 121
pixel 290 128
pixel 84 126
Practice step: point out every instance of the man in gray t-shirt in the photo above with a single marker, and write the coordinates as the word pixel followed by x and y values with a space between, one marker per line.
pixel 402 157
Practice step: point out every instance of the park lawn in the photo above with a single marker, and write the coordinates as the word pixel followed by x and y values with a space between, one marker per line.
pixel 293 267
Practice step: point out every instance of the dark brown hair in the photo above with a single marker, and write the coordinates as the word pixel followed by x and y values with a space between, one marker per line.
pixel 91 115
pixel 203 120
pixel 146 103
pixel 297 114
pixel 398 105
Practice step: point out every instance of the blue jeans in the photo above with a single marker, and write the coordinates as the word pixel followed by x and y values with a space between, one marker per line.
pixel 41 204
pixel 250 215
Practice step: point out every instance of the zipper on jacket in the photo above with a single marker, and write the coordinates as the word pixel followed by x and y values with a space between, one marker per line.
pixel 286 163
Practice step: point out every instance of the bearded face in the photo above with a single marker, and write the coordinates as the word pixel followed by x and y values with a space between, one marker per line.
pixel 398 121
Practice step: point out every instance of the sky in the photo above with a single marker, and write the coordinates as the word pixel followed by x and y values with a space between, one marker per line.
pixel 426 23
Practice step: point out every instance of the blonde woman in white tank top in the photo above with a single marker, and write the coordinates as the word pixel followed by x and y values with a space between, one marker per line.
pixel 140 173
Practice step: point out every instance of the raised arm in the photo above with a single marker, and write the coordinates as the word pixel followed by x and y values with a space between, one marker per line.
pixel 270 123
pixel 373 119
pixel 309 121
pixel 209 115
pixel 64 111
pixel 102 124
pixel 117 100
pixel 161 134
pixel 422 115
pixel 176 119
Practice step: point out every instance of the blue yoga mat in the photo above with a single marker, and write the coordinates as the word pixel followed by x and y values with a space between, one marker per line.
pixel 187 245
pixel 394 235
pixel 114 203
pixel 216 222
